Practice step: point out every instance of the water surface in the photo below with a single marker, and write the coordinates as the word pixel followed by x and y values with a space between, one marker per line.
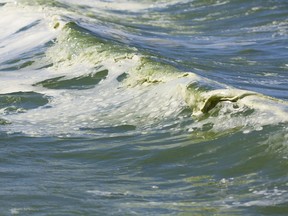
pixel 143 107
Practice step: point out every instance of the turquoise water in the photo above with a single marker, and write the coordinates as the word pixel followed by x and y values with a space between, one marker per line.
pixel 143 107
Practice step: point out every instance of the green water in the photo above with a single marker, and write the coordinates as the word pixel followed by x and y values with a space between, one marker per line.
pixel 143 108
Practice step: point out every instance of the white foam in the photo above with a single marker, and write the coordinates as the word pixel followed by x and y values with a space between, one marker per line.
pixel 124 5
pixel 14 18
pixel 267 197
pixel 150 97
pixel 17 211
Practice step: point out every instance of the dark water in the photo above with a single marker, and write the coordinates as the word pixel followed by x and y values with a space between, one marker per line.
pixel 144 107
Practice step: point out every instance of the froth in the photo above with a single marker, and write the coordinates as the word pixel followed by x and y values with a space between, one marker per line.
pixel 94 84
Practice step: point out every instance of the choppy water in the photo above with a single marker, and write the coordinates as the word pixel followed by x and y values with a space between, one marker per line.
pixel 143 107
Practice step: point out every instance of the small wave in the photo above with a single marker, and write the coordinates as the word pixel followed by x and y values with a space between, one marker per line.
pixel 120 85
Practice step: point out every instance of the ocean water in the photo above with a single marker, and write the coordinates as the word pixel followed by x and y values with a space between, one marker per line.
pixel 168 107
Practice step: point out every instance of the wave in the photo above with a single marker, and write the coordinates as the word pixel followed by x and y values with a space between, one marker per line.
pixel 96 102
pixel 78 82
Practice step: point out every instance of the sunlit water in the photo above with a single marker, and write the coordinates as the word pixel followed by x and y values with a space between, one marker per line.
pixel 143 107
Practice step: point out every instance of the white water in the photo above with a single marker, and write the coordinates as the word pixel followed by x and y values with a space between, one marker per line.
pixel 149 98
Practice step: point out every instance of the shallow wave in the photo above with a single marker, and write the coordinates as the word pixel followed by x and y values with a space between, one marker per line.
pixel 92 83
pixel 93 121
